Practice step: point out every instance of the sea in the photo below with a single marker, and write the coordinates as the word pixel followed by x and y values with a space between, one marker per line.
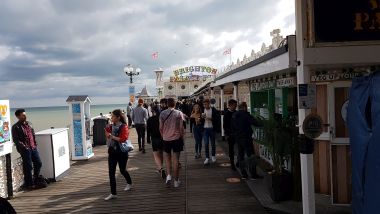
pixel 58 116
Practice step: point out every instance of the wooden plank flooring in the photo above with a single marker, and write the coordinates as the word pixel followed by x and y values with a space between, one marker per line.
pixel 203 189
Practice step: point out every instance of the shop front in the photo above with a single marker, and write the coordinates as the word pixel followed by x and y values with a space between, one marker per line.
pixel 274 99
pixel 332 158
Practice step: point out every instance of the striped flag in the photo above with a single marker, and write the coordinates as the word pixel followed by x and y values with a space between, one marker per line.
pixel 227 51
pixel 155 55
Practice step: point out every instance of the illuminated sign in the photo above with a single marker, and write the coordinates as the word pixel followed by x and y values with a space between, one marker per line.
pixel 345 21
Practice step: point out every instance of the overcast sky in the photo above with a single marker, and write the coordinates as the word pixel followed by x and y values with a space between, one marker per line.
pixel 52 49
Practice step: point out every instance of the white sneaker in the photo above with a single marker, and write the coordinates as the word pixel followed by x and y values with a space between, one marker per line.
pixel 168 180
pixel 177 183
pixel 110 197
pixel 207 161
pixel 213 159
pixel 128 187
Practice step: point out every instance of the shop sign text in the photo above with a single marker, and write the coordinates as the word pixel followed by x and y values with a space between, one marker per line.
pixel 347 21
pixel 334 77
pixel 286 82
pixel 195 69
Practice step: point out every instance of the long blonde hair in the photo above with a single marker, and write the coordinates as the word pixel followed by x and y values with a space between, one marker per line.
pixel 199 109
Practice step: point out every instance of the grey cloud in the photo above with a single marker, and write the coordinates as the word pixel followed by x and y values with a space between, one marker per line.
pixel 89 41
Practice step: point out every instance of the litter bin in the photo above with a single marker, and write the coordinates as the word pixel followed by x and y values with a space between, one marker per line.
pixel 99 137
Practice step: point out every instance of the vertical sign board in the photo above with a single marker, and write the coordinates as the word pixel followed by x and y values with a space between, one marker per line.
pixel 131 93
pixel 346 21
pixel 131 90
pixel 307 96
pixel 77 127
pixel 5 128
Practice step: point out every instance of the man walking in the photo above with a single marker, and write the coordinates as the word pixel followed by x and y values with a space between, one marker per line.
pixel 129 112
pixel 139 117
pixel 172 132
pixel 211 119
pixel 25 141
pixel 232 104
pixel 163 104
pixel 242 121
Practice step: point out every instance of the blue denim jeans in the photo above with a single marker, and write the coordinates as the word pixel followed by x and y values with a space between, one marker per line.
pixel 30 162
pixel 197 132
pixel 209 134
pixel 363 117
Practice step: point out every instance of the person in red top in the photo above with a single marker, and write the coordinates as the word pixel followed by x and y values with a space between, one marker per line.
pixel 25 141
pixel 117 133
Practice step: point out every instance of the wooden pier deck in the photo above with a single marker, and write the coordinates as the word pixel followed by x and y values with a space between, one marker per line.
pixel 203 189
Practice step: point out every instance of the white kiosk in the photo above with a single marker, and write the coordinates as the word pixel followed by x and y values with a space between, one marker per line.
pixel 80 117
pixel 53 147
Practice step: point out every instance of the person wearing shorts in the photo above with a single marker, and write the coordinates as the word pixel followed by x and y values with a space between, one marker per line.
pixel 172 132
pixel 154 136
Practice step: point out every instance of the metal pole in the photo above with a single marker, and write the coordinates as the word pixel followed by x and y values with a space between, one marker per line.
pixel 307 165
pixel 130 75
pixel 8 166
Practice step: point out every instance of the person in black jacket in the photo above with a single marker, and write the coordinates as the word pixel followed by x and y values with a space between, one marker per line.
pixel 242 121
pixel 232 104
pixel 25 141
pixel 154 136
pixel 211 121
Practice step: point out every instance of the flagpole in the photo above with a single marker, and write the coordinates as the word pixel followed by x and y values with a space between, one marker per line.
pixel 230 56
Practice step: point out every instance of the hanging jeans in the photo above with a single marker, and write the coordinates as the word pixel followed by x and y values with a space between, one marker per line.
pixel 364 129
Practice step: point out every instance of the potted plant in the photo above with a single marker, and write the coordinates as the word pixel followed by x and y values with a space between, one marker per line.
pixel 278 135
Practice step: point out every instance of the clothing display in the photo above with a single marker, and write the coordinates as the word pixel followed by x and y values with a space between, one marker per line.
pixel 364 130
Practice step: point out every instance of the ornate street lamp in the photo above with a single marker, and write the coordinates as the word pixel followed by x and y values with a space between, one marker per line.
pixel 130 71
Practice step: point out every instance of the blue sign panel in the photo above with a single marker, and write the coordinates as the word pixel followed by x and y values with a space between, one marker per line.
pixel 78 140
pixel 76 108
pixel 131 89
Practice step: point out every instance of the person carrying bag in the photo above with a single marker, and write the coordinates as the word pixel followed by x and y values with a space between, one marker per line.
pixel 117 136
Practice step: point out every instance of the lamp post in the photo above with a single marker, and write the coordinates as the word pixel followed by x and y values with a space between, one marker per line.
pixel 130 71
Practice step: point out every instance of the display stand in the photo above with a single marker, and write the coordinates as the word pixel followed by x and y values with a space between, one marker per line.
pixel 80 117
pixel 5 128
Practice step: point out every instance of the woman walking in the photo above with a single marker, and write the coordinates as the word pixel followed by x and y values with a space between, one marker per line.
pixel 195 118
pixel 116 134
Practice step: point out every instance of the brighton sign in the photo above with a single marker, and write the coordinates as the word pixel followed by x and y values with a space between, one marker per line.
pixel 193 73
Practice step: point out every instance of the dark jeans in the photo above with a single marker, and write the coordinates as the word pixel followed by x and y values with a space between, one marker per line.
pixel 198 131
pixel 114 158
pixel 30 161
pixel 209 134
pixel 191 125
pixel 245 148
pixel 140 128
pixel 231 148
pixel 129 121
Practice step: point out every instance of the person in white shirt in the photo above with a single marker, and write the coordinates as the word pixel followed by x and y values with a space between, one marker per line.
pixel 211 119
